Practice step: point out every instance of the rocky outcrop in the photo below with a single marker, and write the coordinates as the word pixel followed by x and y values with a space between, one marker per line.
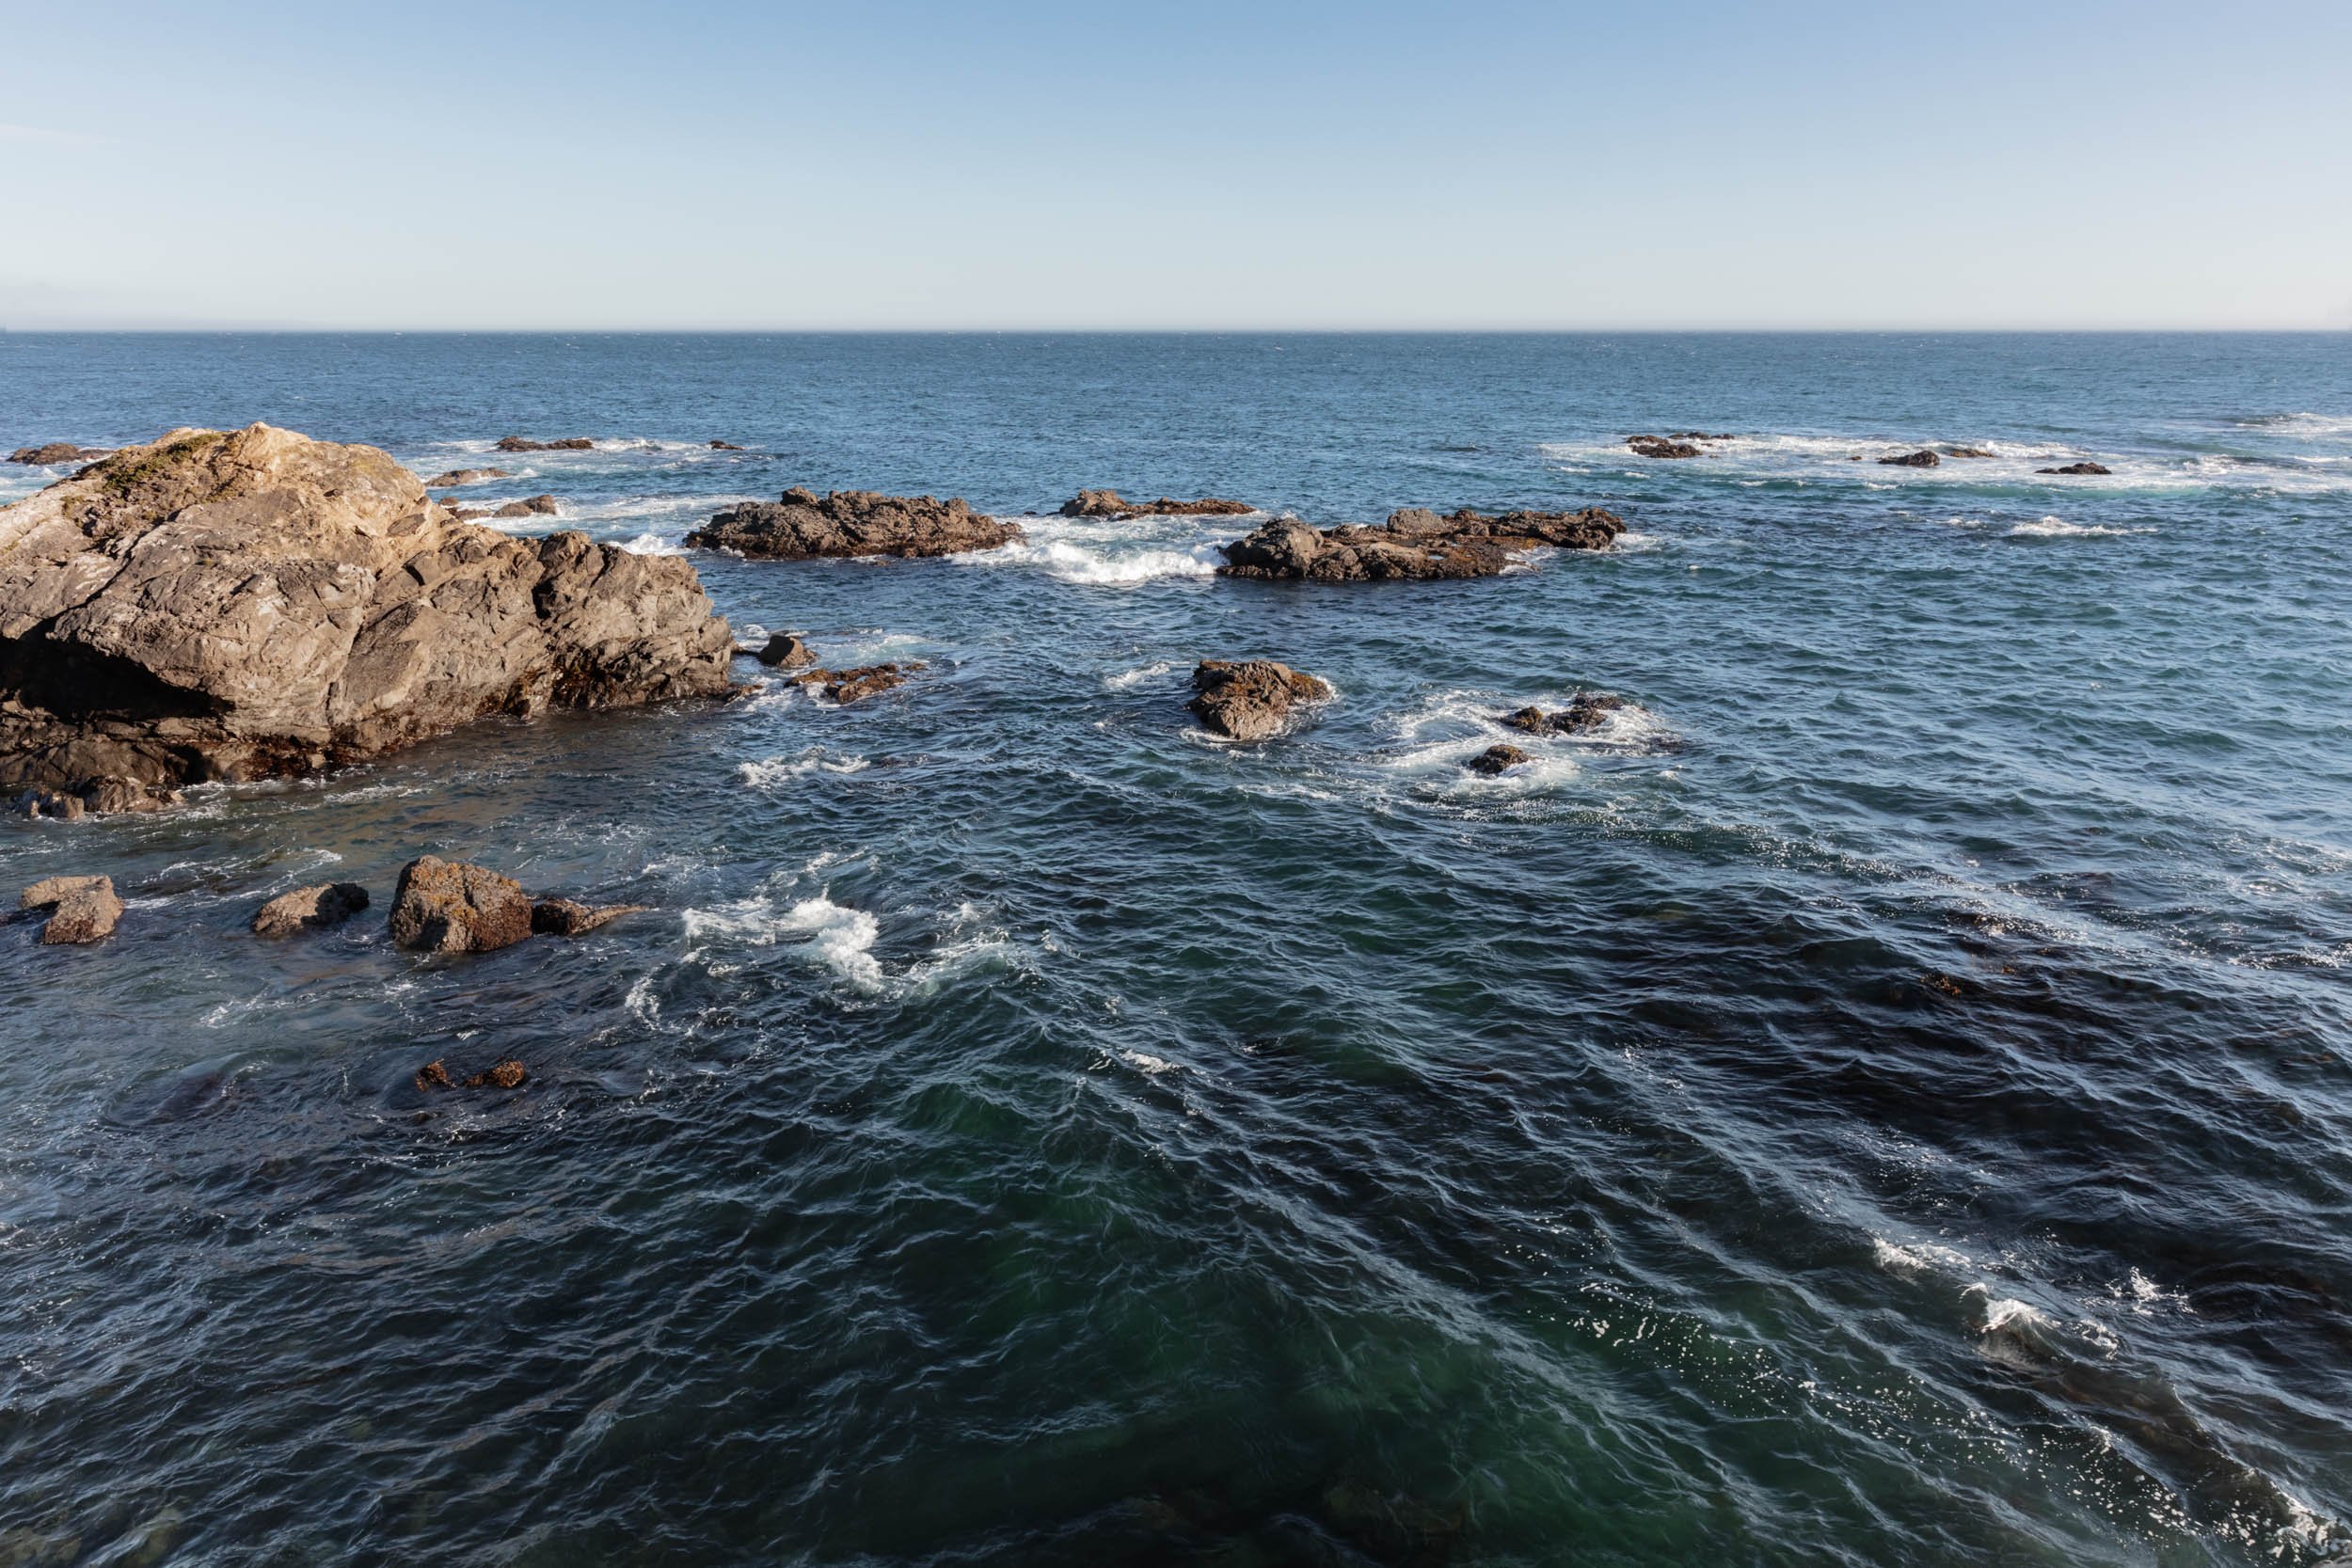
pixel 520 443
pixel 1413 544
pixel 1920 459
pixel 466 476
pixel 1111 505
pixel 847 686
pixel 785 650
pixel 310 909
pixel 805 525
pixel 1585 710
pixel 450 907
pixel 724 446
pixel 537 506
pixel 1660 446
pixel 1250 700
pixel 1497 759
pixel 235 606
pixel 55 452
pixel 82 909
pixel 1968 451
pixel 2077 469
pixel 102 796
pixel 567 917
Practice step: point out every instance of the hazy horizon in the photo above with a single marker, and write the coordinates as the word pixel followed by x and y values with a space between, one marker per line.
pixel 1052 167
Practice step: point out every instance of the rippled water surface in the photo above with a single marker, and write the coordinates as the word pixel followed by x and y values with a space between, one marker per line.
pixel 1886 1098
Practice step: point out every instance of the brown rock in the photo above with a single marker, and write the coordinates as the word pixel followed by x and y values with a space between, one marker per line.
pixel 432 1075
pixel 786 651
pixel 569 443
pixel 537 506
pixel 111 792
pixel 724 446
pixel 1967 452
pixel 1251 700
pixel 848 686
pixel 236 606
pixel 55 452
pixel 2077 469
pixel 1414 542
pixel 466 476
pixel 54 804
pixel 1497 759
pixel 1655 446
pixel 1108 503
pixel 1531 719
pixel 450 906
pixel 505 1075
pixel 82 909
pixel 564 917
pixel 1585 710
pixel 1920 459
pixel 805 525
pixel 310 909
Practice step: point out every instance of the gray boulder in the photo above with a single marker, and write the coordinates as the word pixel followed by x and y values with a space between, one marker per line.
pixel 450 907
pixel 1250 700
pixel 310 909
pixel 82 909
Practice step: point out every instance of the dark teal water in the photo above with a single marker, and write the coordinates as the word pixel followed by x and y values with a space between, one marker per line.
pixel 1886 1099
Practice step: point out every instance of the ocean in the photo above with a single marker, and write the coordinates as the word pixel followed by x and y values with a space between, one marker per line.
pixel 1884 1097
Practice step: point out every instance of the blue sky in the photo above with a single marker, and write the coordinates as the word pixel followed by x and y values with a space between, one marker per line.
pixel 922 165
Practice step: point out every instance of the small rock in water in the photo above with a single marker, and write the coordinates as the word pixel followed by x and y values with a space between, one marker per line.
pixel 805 526
pixel 537 506
pixel 82 909
pixel 786 651
pixel 1531 719
pixel 450 906
pixel 1585 710
pixel 55 452
pixel 569 443
pixel 432 1075
pixel 1249 700
pixel 847 686
pixel 466 476
pixel 724 446
pixel 1110 504
pixel 1497 759
pixel 505 1075
pixel 51 803
pixel 1655 446
pixel 310 909
pixel 1967 452
pixel 1920 459
pixel 567 917
pixel 2077 469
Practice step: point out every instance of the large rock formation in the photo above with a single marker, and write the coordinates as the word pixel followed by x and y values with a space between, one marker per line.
pixel 232 605
pixel 851 522
pixel 1413 542
pixel 450 907
pixel 1252 699
pixel 1111 505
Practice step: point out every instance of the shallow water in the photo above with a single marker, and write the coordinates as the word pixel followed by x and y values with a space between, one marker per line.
pixel 1887 1097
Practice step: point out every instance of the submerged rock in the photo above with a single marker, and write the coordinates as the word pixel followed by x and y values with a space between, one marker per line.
pixel 569 443
pixel 803 525
pixel 1967 451
pixel 55 452
pixel 1585 710
pixel 1414 542
pixel 466 476
pixel 1656 446
pixel 242 605
pixel 310 909
pixel 1497 759
pixel 505 1075
pixel 786 651
pixel 724 446
pixel 1250 700
pixel 1920 459
pixel 1110 504
pixel 450 907
pixel 565 917
pixel 2077 469
pixel 81 909
pixel 847 686
pixel 537 506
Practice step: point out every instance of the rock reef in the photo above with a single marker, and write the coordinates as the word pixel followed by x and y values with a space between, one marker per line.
pixel 1110 505
pixel 2078 469
pixel 55 452
pixel 523 443
pixel 1249 700
pixel 1413 544
pixel 843 686
pixel 1920 459
pixel 1585 710
pixel 803 525
pixel 466 476
pixel 242 605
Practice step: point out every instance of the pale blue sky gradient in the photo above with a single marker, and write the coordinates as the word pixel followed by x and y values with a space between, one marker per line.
pixel 1049 165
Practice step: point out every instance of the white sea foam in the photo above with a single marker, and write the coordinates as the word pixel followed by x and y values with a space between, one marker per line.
pixel 767 772
pixel 1147 1063
pixel 1918 1257
pixel 2057 527
pixel 842 939
pixel 1127 679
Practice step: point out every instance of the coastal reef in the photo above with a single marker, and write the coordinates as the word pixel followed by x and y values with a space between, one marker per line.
pixel 1413 542
pixel 805 525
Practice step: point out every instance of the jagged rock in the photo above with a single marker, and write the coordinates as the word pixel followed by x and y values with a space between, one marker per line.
pixel 565 917
pixel 111 792
pixel 236 606
pixel 1967 451
pixel 537 506
pixel 81 909
pixel 1534 721
pixel 724 446
pixel 505 1075
pixel 1920 459
pixel 1249 700
pixel 55 452
pixel 1110 504
pixel 848 686
pixel 1655 446
pixel 466 476
pixel 2077 469
pixel 1585 710
pixel 54 805
pixel 805 525
pixel 1413 542
pixel 569 443
pixel 310 909
pixel 450 907
pixel 1497 759
pixel 785 651
pixel 432 1075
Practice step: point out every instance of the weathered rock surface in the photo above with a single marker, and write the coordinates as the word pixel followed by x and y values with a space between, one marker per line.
pixel 450 907
pixel 1920 459
pixel 805 525
pixel 1585 710
pixel 55 452
pixel 1250 700
pixel 520 443
pixel 1660 446
pixel 1967 451
pixel 537 506
pixel 235 606
pixel 1413 542
pixel 81 908
pixel 466 476
pixel 310 909
pixel 1110 504
pixel 2077 469
pixel 507 1074
pixel 567 917
pixel 724 446
pixel 785 650
pixel 848 686
pixel 1497 759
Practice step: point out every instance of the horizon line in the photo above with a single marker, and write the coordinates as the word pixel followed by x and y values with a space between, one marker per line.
pixel 280 330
